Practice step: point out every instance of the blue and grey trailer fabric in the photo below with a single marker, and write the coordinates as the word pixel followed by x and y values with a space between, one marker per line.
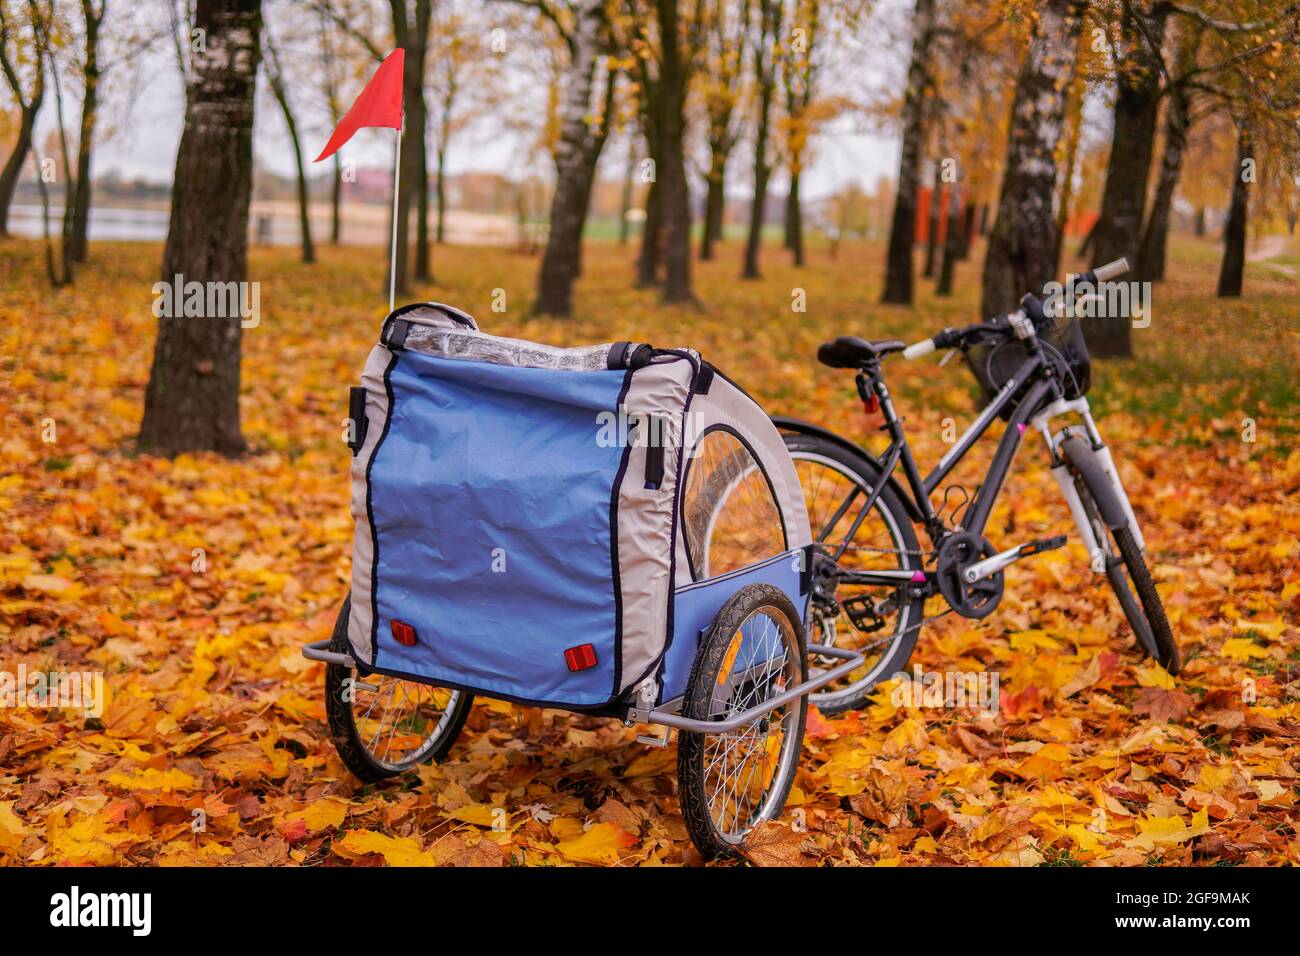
pixel 514 501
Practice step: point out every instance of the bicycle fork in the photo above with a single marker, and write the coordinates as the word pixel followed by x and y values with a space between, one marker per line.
pixel 1065 481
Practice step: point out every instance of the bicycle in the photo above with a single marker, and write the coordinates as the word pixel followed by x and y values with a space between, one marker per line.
pixel 870 579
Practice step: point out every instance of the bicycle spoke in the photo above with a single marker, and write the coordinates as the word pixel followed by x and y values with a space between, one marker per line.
pixel 741 765
pixel 858 539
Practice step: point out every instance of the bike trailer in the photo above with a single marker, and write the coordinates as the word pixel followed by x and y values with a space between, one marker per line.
pixel 557 526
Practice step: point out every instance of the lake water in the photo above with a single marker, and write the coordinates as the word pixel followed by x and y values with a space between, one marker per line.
pixel 270 223
pixel 141 224
pixel 106 223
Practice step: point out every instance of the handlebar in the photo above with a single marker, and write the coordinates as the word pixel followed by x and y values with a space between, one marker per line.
pixel 1109 271
pixel 949 338
pixel 917 349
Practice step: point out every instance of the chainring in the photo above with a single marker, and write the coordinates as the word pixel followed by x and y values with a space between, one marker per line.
pixel 956 553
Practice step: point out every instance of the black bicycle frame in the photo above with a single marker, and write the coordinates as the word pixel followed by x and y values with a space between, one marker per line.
pixel 1036 372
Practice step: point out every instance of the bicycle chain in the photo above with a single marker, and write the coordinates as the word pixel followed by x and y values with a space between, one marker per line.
pixel 919 624
pixel 905 631
pixel 868 547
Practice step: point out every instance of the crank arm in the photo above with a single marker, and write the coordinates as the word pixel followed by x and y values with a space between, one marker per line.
pixel 992 565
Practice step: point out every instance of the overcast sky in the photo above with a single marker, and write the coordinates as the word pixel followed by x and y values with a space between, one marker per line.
pixel 144 110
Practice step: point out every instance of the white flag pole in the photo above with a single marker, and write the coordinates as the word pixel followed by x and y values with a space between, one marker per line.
pixel 392 247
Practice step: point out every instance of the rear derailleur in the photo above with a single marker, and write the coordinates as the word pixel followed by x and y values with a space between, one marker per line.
pixel 866 613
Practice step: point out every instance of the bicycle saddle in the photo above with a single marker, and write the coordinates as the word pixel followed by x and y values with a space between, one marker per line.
pixel 849 351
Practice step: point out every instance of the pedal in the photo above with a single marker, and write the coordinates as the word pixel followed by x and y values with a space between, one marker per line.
pixel 1041 545
pixel 862 612
pixel 655 741
pixel 995 563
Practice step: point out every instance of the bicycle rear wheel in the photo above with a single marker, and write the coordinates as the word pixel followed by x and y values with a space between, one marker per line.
pixel 879 621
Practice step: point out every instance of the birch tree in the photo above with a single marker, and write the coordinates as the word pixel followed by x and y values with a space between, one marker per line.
pixel 1021 253
pixel 584 128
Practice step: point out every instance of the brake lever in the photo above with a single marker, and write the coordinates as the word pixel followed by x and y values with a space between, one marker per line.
pixel 947 357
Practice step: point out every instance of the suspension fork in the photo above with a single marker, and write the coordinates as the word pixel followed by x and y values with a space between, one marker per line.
pixel 1064 480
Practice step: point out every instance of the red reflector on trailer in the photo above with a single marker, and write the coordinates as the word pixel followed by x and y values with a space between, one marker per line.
pixel 404 633
pixel 581 657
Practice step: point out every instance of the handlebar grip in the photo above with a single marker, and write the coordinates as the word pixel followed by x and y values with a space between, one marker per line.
pixel 917 349
pixel 1033 307
pixel 1111 270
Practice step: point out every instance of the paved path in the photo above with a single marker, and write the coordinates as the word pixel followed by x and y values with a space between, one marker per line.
pixel 1268 248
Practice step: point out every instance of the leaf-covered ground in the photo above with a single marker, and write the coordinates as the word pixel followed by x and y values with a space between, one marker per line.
pixel 1093 758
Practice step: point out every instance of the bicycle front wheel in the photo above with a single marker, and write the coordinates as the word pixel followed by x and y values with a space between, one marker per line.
pixel 1121 558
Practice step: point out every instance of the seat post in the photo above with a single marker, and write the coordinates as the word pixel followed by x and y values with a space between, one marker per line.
pixel 875 395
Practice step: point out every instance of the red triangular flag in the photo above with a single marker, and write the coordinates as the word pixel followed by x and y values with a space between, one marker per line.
pixel 380 104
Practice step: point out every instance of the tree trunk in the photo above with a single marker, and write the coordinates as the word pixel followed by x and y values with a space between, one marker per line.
pixel 78 241
pixel 69 189
pixel 952 245
pixel 51 270
pixel 328 61
pixel 594 146
pixel 1198 225
pixel 1233 267
pixel 902 231
pixel 27 110
pixel 794 220
pixel 14 165
pixel 674 198
pixel 192 400
pixel 281 94
pixel 714 201
pixel 440 193
pixel 423 252
pixel 932 224
pixel 574 170
pixel 413 37
pixel 1155 235
pixel 1022 244
pixel 984 219
pixel 798 74
pixel 304 199
pixel 1074 132
pixel 765 75
pixel 787 225
pixel 1119 229
pixel 676 211
pixel 967 228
